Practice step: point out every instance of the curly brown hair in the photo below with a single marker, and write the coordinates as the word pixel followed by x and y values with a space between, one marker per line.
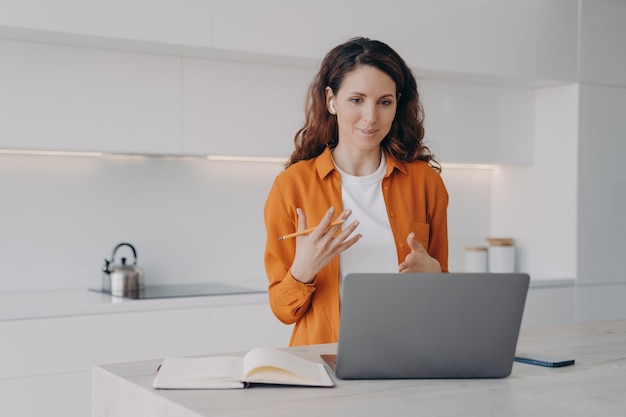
pixel 319 130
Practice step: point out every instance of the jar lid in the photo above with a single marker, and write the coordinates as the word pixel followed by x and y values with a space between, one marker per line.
pixel 500 241
pixel 476 248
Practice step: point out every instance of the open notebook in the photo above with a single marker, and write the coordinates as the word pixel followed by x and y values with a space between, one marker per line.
pixel 258 366
pixel 450 325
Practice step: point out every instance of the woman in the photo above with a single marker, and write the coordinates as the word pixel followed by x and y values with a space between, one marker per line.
pixel 360 155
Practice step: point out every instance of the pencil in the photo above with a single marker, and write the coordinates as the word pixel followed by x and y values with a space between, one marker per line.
pixel 307 231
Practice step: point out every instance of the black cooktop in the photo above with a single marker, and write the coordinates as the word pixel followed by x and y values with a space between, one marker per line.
pixel 186 290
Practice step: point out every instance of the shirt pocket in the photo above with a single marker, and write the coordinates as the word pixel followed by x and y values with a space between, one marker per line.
pixel 422 233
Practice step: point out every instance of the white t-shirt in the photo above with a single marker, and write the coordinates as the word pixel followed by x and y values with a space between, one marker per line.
pixel 376 250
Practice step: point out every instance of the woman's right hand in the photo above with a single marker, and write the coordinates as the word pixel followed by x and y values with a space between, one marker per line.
pixel 317 249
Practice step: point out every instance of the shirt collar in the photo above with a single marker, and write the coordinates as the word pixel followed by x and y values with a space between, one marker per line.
pixel 324 164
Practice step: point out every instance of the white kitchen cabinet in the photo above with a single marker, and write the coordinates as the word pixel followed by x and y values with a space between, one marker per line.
pixel 471 122
pixel 50 359
pixel 245 327
pixel 230 77
pixel 235 108
pixel 56 395
pixel 601 183
pixel 170 22
pixel 46 359
pixel 73 98
pixel 309 29
pixel 532 40
pixel 526 40
pixel 55 97
pixel 73 344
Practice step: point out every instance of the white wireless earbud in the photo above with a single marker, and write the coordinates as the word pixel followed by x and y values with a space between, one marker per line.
pixel 332 107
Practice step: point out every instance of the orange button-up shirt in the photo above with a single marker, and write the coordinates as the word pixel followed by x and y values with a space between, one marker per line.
pixel 416 201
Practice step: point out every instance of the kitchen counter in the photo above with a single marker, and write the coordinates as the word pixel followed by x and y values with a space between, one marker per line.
pixel 52 339
pixel 593 386
pixel 79 302
pixel 83 302
pixel 80 328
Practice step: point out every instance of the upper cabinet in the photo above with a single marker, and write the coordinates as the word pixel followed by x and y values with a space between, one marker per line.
pixel 224 77
pixel 55 97
pixel 232 108
pixel 531 40
pixel 308 29
pixel 472 122
pixel 138 23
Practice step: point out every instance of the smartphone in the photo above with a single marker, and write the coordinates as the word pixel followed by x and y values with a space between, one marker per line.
pixel 551 361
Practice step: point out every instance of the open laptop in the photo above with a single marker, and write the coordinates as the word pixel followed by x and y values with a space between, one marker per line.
pixel 450 325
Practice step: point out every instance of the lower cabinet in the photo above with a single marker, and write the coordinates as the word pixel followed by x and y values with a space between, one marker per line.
pixel 45 364
pixel 245 327
pixel 56 395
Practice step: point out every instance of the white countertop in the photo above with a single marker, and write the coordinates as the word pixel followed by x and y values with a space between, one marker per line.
pixel 593 386
pixel 75 302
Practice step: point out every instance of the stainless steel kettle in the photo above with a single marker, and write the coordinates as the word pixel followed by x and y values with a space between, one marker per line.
pixel 122 280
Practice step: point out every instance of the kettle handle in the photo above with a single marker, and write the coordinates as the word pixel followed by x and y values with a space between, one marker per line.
pixel 125 244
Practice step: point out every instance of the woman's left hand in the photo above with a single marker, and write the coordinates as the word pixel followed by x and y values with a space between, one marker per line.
pixel 418 260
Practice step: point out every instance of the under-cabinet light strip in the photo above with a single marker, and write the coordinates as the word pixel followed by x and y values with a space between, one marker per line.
pixel 227 158
pixel 48 153
pixel 234 158
pixel 454 165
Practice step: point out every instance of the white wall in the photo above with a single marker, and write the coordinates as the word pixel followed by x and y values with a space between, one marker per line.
pixel 191 220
